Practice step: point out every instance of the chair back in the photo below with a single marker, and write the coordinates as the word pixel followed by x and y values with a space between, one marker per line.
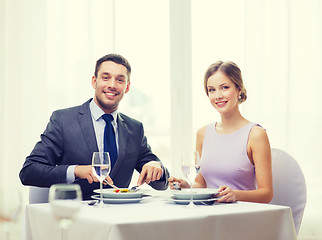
pixel 289 185
pixel 38 195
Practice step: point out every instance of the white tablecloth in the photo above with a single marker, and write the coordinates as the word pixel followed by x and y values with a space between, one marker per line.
pixel 159 219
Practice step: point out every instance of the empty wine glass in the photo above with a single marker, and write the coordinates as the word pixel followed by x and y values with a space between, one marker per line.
pixel 101 168
pixel 10 207
pixel 65 201
pixel 190 166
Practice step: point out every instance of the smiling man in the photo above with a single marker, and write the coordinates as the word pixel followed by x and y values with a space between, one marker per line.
pixel 64 153
pixel 111 82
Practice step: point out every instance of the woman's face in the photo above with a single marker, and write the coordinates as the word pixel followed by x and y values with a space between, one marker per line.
pixel 222 93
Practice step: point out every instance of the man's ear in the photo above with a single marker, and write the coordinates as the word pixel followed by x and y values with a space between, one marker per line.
pixel 128 87
pixel 94 82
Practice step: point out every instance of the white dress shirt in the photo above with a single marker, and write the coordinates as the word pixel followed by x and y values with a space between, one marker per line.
pixel 99 126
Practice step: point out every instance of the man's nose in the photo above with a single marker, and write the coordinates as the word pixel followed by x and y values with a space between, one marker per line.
pixel 111 83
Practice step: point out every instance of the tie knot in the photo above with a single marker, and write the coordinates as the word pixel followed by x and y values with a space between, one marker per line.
pixel 108 118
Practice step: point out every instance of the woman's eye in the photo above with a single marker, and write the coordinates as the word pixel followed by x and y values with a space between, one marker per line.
pixel 225 87
pixel 211 90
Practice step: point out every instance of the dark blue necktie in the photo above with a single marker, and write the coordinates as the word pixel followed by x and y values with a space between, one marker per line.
pixel 109 139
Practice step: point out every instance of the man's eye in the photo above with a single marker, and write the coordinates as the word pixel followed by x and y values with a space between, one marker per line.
pixel 120 80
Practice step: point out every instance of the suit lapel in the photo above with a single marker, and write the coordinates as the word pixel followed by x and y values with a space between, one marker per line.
pixel 86 124
pixel 122 135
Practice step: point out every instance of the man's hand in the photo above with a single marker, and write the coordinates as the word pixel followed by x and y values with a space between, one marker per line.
pixel 86 172
pixel 151 171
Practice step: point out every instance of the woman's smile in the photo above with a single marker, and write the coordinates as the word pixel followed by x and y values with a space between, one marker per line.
pixel 221 103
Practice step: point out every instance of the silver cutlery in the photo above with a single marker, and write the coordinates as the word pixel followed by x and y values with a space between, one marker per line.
pixel 134 188
pixel 176 186
pixel 112 185
pixel 92 203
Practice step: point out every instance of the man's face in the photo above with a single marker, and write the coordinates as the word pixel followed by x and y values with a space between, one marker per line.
pixel 110 85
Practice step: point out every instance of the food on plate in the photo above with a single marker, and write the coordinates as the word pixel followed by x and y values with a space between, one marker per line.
pixel 121 190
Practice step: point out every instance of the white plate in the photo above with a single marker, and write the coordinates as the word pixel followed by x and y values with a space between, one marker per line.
pixel 181 201
pixel 109 193
pixel 197 193
pixel 121 200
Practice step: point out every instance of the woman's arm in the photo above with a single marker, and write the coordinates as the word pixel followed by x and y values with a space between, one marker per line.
pixel 199 139
pixel 200 181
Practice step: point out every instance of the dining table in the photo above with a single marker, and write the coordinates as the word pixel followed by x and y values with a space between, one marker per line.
pixel 158 217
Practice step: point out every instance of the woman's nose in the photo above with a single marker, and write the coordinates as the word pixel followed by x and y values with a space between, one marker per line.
pixel 218 95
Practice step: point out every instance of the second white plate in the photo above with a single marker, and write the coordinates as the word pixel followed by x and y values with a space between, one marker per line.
pixel 197 194
pixel 181 201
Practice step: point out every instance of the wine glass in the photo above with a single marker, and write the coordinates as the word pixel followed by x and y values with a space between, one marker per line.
pixel 65 201
pixel 10 207
pixel 101 168
pixel 190 166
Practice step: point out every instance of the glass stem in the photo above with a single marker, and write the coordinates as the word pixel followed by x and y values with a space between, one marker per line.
pixel 7 230
pixel 62 231
pixel 101 195
pixel 191 197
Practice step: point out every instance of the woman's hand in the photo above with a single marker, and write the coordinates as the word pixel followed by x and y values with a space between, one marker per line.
pixel 182 183
pixel 226 194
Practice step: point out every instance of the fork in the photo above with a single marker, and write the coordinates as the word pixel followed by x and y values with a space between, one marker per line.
pixel 176 186
pixel 134 188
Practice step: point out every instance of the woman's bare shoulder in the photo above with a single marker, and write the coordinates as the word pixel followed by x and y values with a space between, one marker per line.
pixel 258 132
pixel 258 138
pixel 200 137
pixel 201 131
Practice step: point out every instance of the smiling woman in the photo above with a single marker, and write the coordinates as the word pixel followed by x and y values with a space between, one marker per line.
pixel 219 87
pixel 248 160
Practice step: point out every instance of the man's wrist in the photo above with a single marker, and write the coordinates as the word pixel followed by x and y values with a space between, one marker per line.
pixel 70 174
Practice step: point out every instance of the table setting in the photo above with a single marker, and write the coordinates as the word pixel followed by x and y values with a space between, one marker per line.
pixel 164 217
pixel 181 197
pixel 190 164
pixel 141 212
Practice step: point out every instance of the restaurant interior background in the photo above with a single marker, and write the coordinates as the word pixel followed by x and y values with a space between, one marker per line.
pixel 49 48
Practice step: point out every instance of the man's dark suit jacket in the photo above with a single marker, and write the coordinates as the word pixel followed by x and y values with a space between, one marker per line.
pixel 69 139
